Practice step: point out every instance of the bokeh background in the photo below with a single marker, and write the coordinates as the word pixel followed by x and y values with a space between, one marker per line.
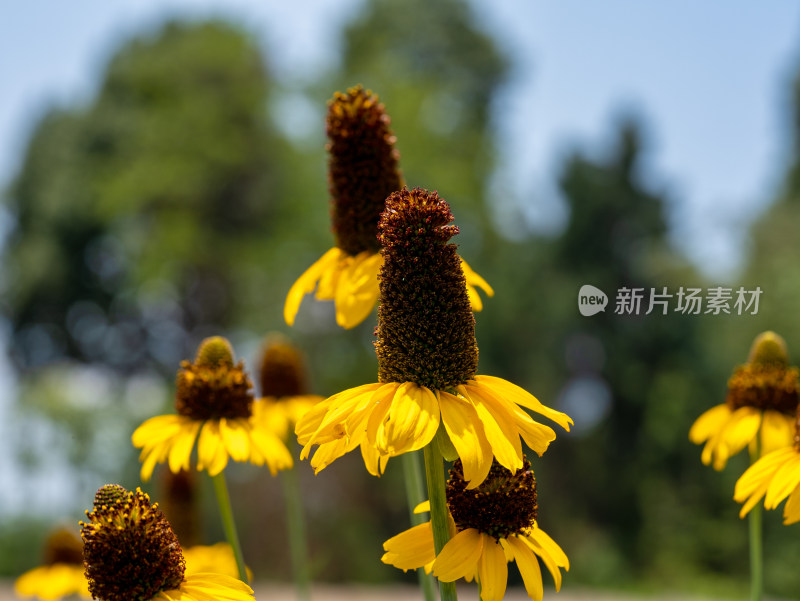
pixel 164 179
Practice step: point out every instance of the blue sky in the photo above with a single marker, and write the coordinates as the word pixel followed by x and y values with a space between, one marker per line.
pixel 709 78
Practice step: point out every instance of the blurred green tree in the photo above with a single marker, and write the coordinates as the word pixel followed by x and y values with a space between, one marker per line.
pixel 138 218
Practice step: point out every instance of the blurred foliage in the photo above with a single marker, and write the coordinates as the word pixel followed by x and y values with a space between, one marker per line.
pixel 172 207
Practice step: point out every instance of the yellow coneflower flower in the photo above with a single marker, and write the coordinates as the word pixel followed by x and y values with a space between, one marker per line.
pixel 427 359
pixel 492 525
pixel 773 478
pixel 131 552
pixel 283 386
pixel 762 397
pixel 216 408
pixel 62 574
pixel 362 172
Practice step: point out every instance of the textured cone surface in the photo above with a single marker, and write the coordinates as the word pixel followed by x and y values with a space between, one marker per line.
pixel 504 504
pixel 130 552
pixel 426 329
pixel 282 372
pixel 362 168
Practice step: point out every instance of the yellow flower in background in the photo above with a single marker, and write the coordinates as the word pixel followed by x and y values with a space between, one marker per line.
pixel 131 552
pixel 427 359
pixel 362 173
pixel 491 525
pixel 62 575
pixel 762 398
pixel 216 409
pixel 283 386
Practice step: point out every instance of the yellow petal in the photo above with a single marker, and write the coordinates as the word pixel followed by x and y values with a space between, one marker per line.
pixel 157 429
pixel 268 448
pixel 151 456
pixel 777 431
pixel 357 290
pixel 741 428
pixel 791 512
pixel 552 548
pixel 522 397
pixel 236 438
pixel 423 507
pixel 459 557
pixel 784 482
pixel 528 566
pixel 465 430
pixel 709 423
pixel 475 281
pixel 211 454
pixel 411 422
pixel 499 426
pixel 492 570
pixel 340 407
pixel 181 452
pixel 410 549
pixel 307 282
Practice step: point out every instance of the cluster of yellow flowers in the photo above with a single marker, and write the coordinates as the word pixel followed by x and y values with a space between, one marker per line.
pixel 393 247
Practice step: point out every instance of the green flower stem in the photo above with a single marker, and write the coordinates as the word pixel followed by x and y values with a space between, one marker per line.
pixel 228 525
pixel 298 547
pixel 756 543
pixel 434 472
pixel 415 494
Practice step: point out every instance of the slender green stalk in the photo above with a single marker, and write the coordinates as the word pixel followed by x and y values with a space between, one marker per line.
pixel 298 547
pixel 415 494
pixel 228 524
pixel 434 472
pixel 755 518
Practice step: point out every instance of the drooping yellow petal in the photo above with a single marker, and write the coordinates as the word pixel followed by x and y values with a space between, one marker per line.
pixel 157 429
pixel 550 553
pixel 236 438
pixel 492 570
pixel 181 452
pixel 266 448
pixel 202 586
pixel 740 429
pixel 211 454
pixel 411 422
pixel 410 549
pixel 357 290
pixel 791 512
pixel 528 567
pixel 339 408
pixel 522 397
pixel 753 483
pixel 464 428
pixel 709 423
pixel 53 582
pixel 499 426
pixel 785 480
pixel 151 456
pixel 307 282
pixel 459 557
pixel 777 431
pixel 475 281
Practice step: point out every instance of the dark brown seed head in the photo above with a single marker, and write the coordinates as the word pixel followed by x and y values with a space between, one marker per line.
pixel 180 504
pixel 282 372
pixel 362 167
pixel 63 546
pixel 766 381
pixel 213 386
pixel 130 552
pixel 503 504
pixel 426 329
